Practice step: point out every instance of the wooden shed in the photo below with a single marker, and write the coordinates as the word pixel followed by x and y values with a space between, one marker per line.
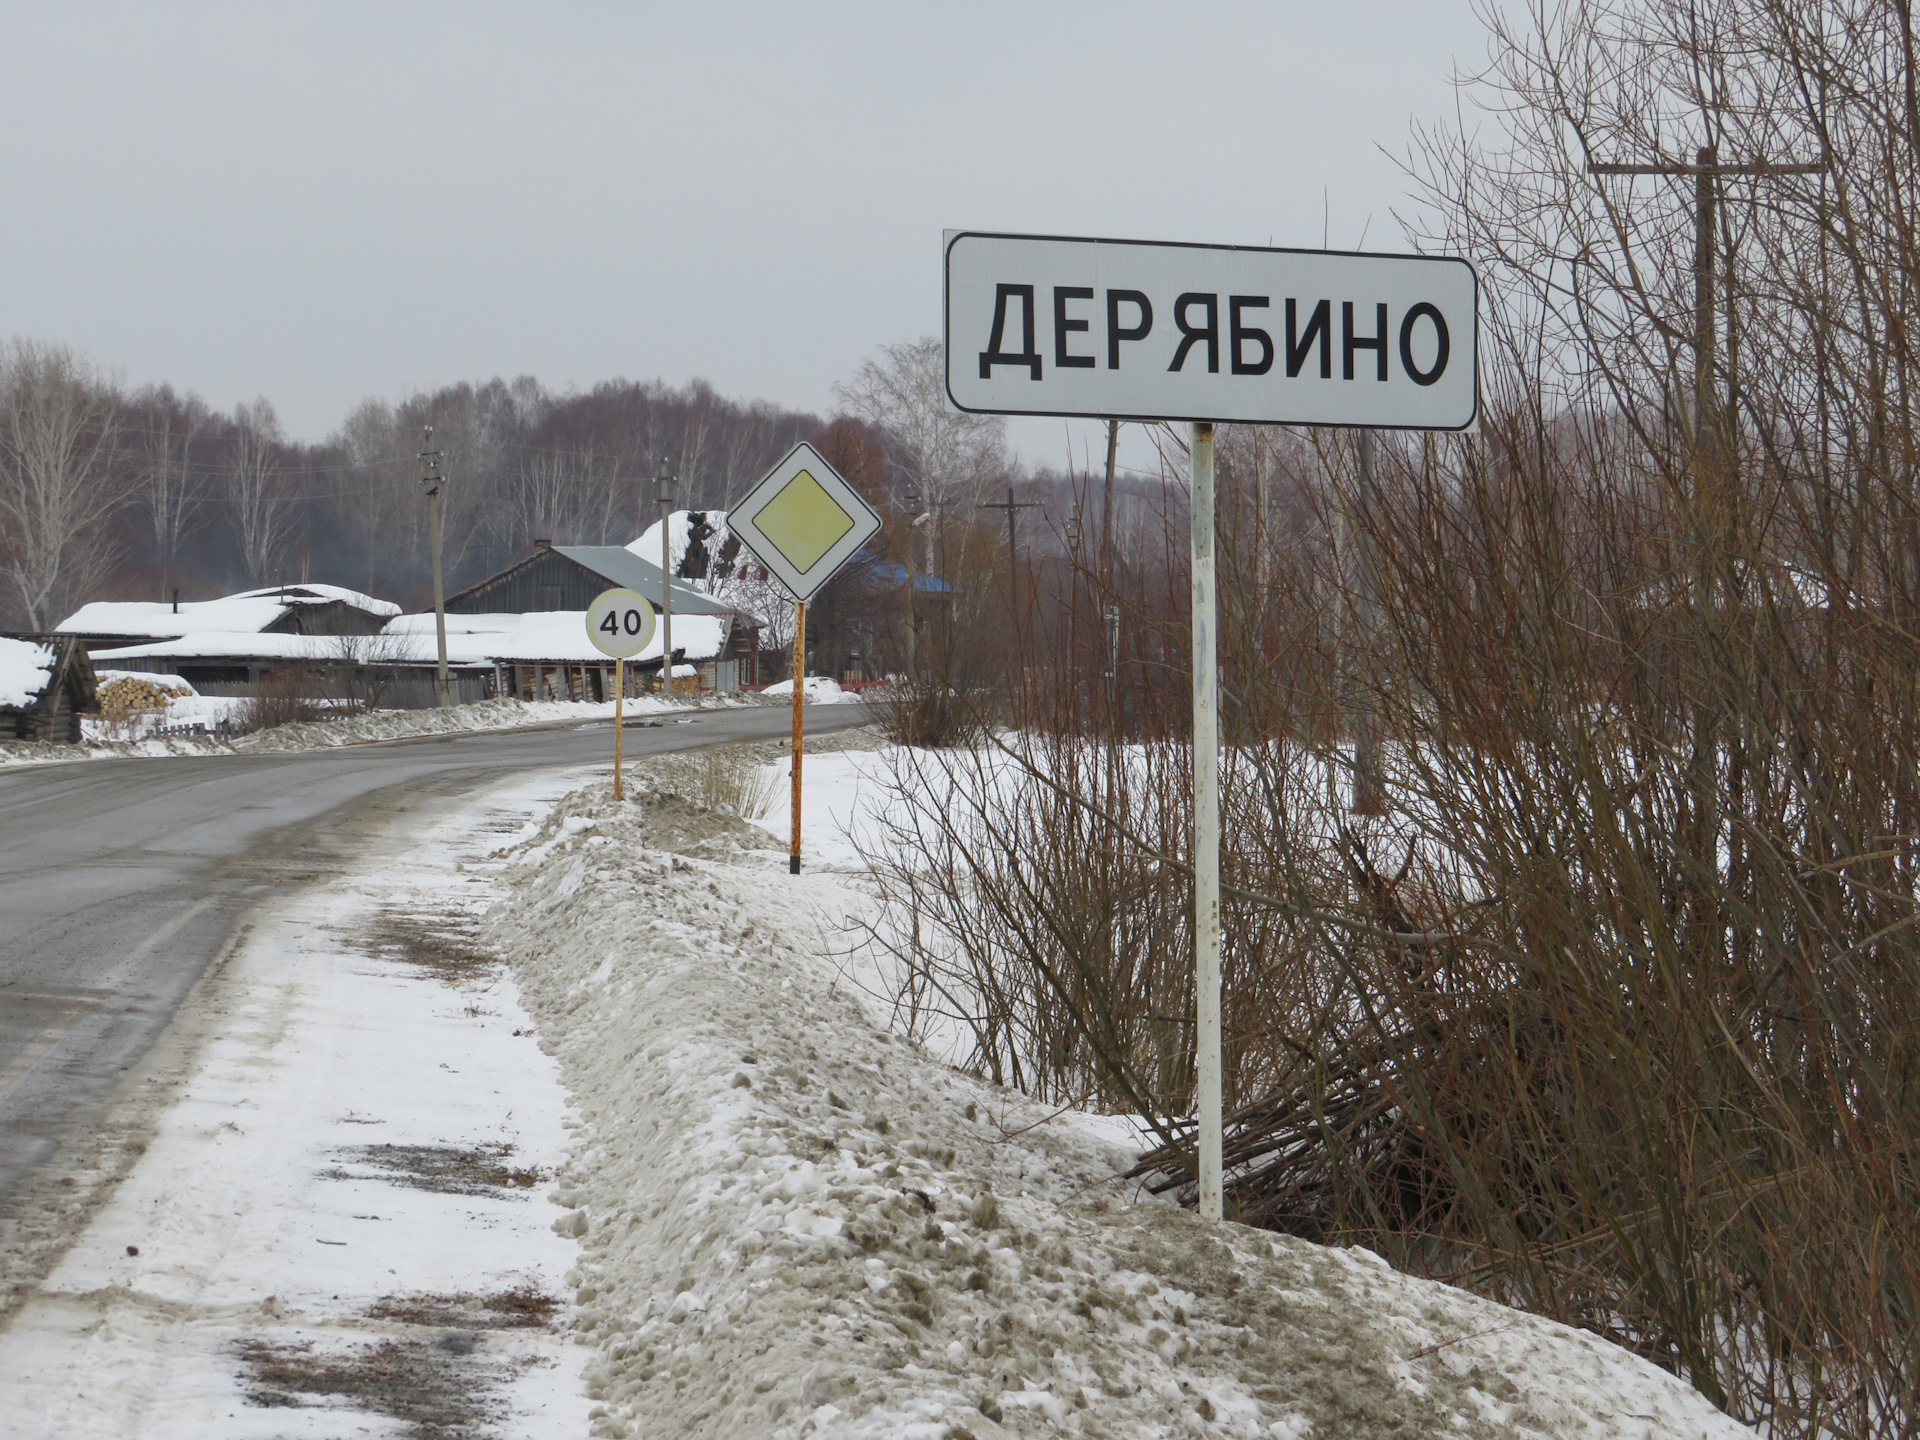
pixel 46 685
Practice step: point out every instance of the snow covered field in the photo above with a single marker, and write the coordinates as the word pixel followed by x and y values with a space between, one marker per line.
pixel 767 1216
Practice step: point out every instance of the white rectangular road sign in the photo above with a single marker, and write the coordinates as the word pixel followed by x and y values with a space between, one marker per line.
pixel 1147 330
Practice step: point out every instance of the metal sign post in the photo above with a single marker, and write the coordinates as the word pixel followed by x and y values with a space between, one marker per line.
pixel 798 669
pixel 1145 330
pixel 620 624
pixel 1206 824
pixel 804 522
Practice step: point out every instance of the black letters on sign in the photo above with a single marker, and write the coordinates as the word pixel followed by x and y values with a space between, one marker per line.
pixel 995 353
pixel 1319 323
pixel 609 625
pixel 1189 334
pixel 1239 336
pixel 1115 332
pixel 1414 372
pixel 1062 327
pixel 1350 342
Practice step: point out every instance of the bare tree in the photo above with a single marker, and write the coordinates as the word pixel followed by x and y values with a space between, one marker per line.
pixel 377 499
pixel 943 452
pixel 566 496
pixel 263 508
pixel 172 486
pixel 58 482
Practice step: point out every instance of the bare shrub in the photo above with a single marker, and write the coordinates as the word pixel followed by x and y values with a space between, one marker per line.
pixel 1612 1013
pixel 727 779
pixel 283 698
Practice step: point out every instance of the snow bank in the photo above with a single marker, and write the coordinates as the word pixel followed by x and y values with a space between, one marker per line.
pixel 499 714
pixel 24 670
pixel 821 690
pixel 794 1224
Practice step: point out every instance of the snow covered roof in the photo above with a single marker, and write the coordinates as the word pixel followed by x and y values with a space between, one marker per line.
pixel 249 612
pixel 25 669
pixel 553 636
pixel 622 566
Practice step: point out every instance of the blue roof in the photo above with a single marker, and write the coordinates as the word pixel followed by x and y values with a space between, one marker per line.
pixel 892 575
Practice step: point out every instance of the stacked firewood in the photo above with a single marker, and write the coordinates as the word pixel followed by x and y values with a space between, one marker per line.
pixel 130 694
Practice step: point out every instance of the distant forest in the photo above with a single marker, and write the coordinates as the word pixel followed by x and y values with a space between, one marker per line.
pixel 115 494
pixel 133 495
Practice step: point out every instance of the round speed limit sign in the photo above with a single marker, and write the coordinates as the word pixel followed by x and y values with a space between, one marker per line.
pixel 620 623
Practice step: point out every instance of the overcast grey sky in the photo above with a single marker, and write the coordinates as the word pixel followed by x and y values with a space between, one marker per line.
pixel 316 203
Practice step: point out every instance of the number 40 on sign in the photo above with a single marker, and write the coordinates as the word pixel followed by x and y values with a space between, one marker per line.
pixel 620 624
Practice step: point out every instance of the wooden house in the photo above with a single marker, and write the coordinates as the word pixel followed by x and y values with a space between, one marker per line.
pixel 46 685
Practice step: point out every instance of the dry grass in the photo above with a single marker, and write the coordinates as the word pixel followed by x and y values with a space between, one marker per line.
pixel 445 1169
pixel 424 1385
pixel 444 946
pixel 524 1307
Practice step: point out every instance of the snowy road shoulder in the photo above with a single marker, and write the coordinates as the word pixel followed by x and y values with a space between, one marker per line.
pixel 344 1211
pixel 795 1224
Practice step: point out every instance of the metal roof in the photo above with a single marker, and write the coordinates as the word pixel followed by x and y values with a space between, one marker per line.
pixel 620 566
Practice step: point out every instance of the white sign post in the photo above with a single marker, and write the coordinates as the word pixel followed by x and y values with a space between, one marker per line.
pixel 1145 330
pixel 804 522
pixel 620 624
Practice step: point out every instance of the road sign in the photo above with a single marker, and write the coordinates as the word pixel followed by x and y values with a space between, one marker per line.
pixel 620 623
pixel 1146 330
pixel 803 521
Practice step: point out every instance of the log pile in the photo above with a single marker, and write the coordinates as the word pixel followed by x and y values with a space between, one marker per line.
pixel 130 695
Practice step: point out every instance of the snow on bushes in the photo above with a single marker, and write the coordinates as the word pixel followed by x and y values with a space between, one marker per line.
pixel 792 1223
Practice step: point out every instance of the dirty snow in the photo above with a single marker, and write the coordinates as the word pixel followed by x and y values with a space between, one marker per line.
pixel 24 668
pixel 774 1218
pixel 378 725
pixel 355 1163
pixel 795 1224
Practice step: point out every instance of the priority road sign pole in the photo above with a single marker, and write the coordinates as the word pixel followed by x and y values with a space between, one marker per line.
pixel 619 716
pixel 1206 827
pixel 799 671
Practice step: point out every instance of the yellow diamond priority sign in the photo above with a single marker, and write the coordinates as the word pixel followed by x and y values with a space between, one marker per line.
pixel 803 521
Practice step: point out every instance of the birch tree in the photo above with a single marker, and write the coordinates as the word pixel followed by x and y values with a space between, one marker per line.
pixel 263 509
pixel 173 486
pixel 945 453
pixel 58 481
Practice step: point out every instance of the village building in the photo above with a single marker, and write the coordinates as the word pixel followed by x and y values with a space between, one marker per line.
pixel 46 684
pixel 276 610
pixel 540 600
pixel 519 632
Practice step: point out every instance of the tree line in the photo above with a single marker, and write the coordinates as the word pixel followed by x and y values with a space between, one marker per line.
pixel 112 493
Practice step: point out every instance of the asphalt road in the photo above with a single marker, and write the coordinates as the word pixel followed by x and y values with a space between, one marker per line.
pixel 122 880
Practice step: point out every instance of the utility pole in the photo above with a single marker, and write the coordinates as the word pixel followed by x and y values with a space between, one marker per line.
pixel 1012 508
pixel 1706 171
pixel 430 477
pixel 915 509
pixel 1712 448
pixel 666 577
